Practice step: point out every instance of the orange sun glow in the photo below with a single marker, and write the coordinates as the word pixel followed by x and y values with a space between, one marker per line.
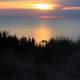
pixel 43 33
pixel 43 6
pixel 28 5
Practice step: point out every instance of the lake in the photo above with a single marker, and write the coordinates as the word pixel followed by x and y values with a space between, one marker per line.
pixel 42 29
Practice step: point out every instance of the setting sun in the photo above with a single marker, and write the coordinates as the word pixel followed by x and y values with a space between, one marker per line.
pixel 28 5
pixel 42 6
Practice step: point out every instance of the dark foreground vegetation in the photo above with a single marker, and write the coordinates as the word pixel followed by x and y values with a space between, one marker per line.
pixel 22 59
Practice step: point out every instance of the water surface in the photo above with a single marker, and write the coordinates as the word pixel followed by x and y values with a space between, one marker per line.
pixel 41 29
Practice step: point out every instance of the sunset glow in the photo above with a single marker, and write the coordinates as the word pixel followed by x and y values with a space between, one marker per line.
pixel 18 5
pixel 51 17
pixel 43 33
pixel 72 8
pixel 27 5
pixel 42 6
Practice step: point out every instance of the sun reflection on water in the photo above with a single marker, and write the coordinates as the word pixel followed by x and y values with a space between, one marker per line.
pixel 43 33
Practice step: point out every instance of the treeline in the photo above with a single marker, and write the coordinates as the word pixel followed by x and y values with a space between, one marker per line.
pixel 53 50
pixel 22 58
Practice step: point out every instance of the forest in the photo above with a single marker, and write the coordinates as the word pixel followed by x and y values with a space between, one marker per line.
pixel 24 59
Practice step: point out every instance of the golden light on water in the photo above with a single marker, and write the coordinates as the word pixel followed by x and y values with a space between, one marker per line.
pixel 39 33
pixel 43 33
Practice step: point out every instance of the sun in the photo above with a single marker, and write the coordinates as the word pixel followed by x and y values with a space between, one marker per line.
pixel 42 6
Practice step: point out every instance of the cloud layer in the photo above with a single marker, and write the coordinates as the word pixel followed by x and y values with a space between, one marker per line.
pixel 67 9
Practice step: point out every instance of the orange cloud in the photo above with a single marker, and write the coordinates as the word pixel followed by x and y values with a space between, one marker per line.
pixel 71 8
pixel 10 5
pixel 51 17
pixel 23 4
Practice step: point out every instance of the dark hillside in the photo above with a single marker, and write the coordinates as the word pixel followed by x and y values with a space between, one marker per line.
pixel 23 59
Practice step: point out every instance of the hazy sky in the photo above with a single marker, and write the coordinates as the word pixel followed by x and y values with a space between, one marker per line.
pixel 18 8
pixel 61 9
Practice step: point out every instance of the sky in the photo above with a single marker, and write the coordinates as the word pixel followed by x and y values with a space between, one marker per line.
pixel 25 9
pixel 42 9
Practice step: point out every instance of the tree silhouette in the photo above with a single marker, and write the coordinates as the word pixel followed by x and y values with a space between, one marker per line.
pixel 53 55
